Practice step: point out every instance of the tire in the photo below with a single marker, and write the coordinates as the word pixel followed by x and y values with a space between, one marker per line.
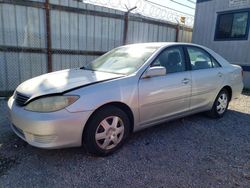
pixel 220 105
pixel 106 131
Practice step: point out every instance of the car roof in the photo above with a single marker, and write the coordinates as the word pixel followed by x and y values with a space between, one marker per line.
pixel 161 44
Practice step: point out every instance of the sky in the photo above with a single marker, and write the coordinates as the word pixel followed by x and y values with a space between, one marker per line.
pixel 169 10
pixel 174 4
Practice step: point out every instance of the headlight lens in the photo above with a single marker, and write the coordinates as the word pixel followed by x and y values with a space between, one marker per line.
pixel 51 104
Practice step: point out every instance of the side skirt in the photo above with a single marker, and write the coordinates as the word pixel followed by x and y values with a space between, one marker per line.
pixel 170 118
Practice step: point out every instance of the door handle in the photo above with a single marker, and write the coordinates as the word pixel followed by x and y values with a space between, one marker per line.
pixel 185 81
pixel 220 74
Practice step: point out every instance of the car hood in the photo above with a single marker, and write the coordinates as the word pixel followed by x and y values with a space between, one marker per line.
pixel 62 81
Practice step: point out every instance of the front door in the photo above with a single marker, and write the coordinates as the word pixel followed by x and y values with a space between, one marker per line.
pixel 163 96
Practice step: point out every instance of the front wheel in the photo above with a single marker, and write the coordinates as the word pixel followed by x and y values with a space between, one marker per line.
pixel 220 105
pixel 106 131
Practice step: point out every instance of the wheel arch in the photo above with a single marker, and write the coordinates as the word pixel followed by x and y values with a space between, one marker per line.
pixel 229 90
pixel 119 105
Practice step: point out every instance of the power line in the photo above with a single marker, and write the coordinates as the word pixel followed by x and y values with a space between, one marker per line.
pixel 182 4
pixel 169 8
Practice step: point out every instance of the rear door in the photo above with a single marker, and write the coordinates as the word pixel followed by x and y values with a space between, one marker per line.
pixel 207 77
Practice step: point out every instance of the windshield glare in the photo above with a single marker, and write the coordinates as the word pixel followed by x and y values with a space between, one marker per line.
pixel 122 60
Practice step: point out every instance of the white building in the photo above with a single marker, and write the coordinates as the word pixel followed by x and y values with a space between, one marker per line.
pixel 223 25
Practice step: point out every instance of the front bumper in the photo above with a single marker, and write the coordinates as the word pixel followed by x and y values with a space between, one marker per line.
pixel 48 130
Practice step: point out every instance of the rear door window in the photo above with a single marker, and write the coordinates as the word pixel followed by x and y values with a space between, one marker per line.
pixel 200 59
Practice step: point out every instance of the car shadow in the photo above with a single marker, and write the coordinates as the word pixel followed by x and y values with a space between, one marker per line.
pixel 142 137
pixel 246 93
pixel 196 139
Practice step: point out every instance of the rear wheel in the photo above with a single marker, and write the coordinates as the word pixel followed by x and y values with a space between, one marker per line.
pixel 106 131
pixel 220 105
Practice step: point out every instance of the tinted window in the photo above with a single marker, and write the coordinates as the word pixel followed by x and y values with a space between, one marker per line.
pixel 232 26
pixel 172 59
pixel 199 59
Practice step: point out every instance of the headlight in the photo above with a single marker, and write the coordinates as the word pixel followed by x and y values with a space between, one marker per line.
pixel 51 104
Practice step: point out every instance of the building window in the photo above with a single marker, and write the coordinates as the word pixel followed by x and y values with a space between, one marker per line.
pixel 232 26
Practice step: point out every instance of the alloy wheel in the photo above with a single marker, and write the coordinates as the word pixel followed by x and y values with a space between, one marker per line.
pixel 109 132
pixel 222 103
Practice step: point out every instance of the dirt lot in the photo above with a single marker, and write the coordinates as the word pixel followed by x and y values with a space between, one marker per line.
pixel 191 152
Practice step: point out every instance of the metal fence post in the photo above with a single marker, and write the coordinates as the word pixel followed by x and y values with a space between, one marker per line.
pixel 48 35
pixel 125 29
pixel 177 33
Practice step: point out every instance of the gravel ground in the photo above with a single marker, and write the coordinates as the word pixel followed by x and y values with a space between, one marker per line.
pixel 190 152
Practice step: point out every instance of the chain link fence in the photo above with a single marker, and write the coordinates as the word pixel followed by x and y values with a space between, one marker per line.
pixel 78 33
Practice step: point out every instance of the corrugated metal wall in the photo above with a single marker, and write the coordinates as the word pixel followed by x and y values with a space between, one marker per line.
pixel 74 29
pixel 23 27
pixel 235 51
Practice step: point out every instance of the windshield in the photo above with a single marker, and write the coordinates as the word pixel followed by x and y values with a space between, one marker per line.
pixel 122 60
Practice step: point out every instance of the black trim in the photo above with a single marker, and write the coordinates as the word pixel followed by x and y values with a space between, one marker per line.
pixel 53 51
pixel 219 14
pixel 77 52
pixel 27 3
pixel 187 59
pixel 246 68
pixel 202 1
pixel 22 49
pixel 234 11
pixel 69 90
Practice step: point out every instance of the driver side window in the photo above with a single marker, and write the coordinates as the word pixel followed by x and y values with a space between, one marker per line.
pixel 172 59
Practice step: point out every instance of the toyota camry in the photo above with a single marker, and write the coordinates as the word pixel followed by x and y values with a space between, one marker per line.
pixel 125 90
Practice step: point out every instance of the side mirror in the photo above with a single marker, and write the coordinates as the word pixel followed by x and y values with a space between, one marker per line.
pixel 155 71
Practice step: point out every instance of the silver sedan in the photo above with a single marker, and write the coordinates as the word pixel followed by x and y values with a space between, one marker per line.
pixel 127 89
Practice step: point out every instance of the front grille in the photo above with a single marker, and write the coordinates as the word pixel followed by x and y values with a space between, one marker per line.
pixel 20 99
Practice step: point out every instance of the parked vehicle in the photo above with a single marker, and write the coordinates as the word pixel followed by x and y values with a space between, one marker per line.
pixel 127 89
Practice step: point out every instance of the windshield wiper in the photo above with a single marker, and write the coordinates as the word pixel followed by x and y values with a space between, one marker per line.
pixel 85 68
